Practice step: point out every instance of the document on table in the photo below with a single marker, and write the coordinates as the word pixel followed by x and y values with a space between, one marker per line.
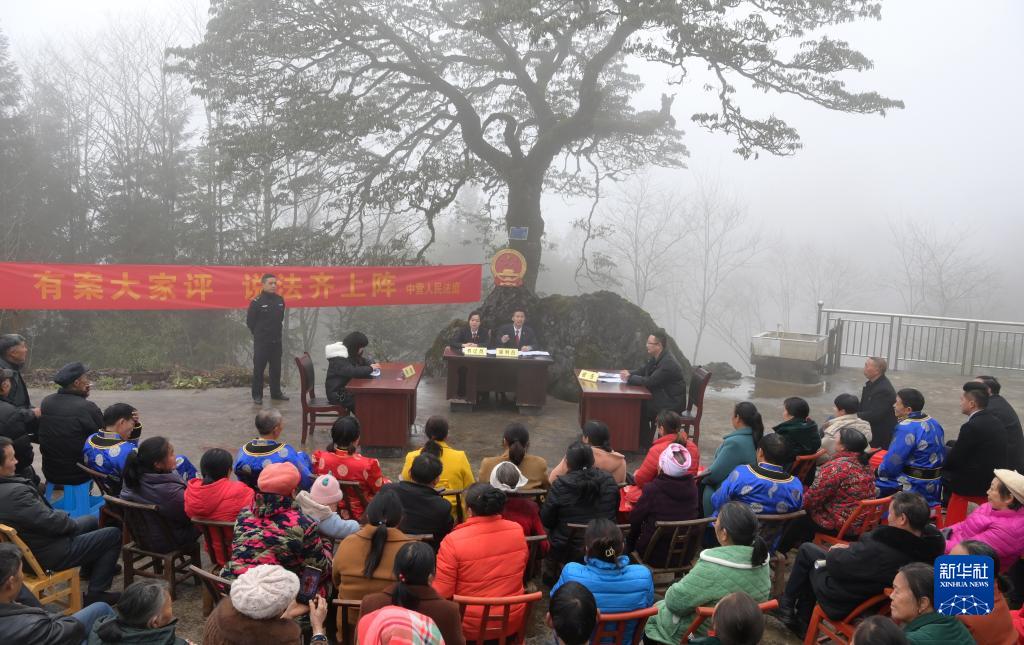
pixel 375 372
pixel 535 352
pixel 609 377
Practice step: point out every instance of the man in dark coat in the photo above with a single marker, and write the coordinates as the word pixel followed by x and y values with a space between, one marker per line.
pixel 876 401
pixel 265 320
pixel 13 354
pixel 839 579
pixel 516 334
pixel 663 376
pixel 14 424
pixel 68 419
pixel 425 510
pixel 1003 411
pixel 979 449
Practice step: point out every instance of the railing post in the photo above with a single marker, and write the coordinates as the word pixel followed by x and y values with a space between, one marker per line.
pixel 896 355
pixel 817 328
pixel 888 351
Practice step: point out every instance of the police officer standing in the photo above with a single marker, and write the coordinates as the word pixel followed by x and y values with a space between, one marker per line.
pixel 265 320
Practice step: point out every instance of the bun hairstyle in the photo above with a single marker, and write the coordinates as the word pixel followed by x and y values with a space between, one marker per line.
pixel 384 511
pixel 603 540
pixel 436 430
pixel 598 435
pixel 484 499
pixel 344 434
pixel 517 438
pixel 414 564
pixel 740 523
pixel 748 414
pixel 854 440
pixel 580 457
pixel 144 460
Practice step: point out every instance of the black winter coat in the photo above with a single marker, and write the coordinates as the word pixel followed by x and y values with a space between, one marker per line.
pixel 852 575
pixel 663 376
pixel 19 391
pixel 979 449
pixel 563 505
pixel 67 421
pixel 526 337
pixel 166 490
pixel 664 499
pixel 45 530
pixel 425 511
pixel 464 335
pixel 36 626
pixel 1003 411
pixel 341 370
pixel 876 401
pixel 14 424
pixel 265 317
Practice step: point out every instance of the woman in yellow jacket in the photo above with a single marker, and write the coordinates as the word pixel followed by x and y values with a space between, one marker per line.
pixel 456 473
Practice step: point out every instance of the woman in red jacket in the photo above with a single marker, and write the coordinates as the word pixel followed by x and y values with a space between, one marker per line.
pixel 217 497
pixel 342 459
pixel 483 556
pixel 668 426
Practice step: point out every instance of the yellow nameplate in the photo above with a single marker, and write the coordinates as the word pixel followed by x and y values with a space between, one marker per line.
pixel 507 352
pixel 587 375
pixel 408 371
pixel 474 351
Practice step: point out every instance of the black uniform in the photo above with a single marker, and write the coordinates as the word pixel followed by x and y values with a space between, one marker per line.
pixel 265 320
pixel 876 399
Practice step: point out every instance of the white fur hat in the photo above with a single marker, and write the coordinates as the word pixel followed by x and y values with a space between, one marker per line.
pixel 264 591
pixel 336 350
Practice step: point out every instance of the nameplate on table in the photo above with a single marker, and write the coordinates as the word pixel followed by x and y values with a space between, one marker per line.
pixel 408 371
pixel 507 352
pixel 474 351
pixel 587 375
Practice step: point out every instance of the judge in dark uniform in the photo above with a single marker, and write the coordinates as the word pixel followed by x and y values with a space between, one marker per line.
pixel 876 401
pixel 473 335
pixel 663 376
pixel 1003 411
pixel 265 320
pixel 979 449
pixel 516 335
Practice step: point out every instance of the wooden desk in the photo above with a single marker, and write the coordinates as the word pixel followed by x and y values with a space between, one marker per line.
pixel 527 377
pixel 386 405
pixel 618 405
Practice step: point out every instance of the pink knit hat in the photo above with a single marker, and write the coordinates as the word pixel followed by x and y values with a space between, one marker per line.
pixel 326 490
pixel 281 478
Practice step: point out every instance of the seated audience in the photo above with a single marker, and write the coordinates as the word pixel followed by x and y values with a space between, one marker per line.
pixel 915 456
pixel 572 614
pixel 913 596
pixel 17 424
pixel 425 510
pixel 617 585
pixel 342 459
pixel 516 442
pixel 253 456
pixel 393 625
pixel 669 497
pixel 853 574
pixel 144 614
pixel 668 429
pixel 345 361
pixel 522 510
pixel 150 478
pixel 67 419
pixel 766 487
pixel 598 437
pixel 878 630
pixel 999 522
pixel 484 557
pixel 847 406
pixel 456 473
pixel 737 448
pixel 260 609
pixel 738 620
pixel 1003 411
pixel 414 570
pixel 979 449
pixel 996 627
pixel 31 624
pixel 800 433
pixel 584 493
pixel 216 496
pixel 274 531
pixel 739 564
pixel 57 541
pixel 320 504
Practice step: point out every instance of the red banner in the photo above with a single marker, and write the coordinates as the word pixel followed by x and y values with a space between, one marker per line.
pixel 174 286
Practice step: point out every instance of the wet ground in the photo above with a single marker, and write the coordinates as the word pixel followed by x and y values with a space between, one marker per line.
pixel 198 420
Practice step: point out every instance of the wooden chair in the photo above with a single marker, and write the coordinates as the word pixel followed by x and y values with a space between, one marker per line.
pixel 61 587
pixel 771 528
pixel 703 613
pixel 803 466
pixel 538 495
pixel 869 511
pixel 496 617
pixel 214 528
pixel 460 511
pixel 533 545
pixel 350 490
pixel 215 588
pixel 141 558
pixel 695 403
pixel 348 618
pixel 312 407
pixel 841 631
pixel 684 543
pixel 612 627
pixel 107 486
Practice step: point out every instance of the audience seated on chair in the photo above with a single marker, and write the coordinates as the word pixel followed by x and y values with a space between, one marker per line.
pixel 456 473
pixel 483 557
pixel 766 486
pixel 516 442
pixel 266 449
pixel 25 624
pixel 599 438
pixel 999 522
pixel 425 511
pixel 916 454
pixel 18 423
pixel 739 564
pixel 799 432
pixel 320 504
pixel 572 614
pixel 261 608
pixel 215 496
pixel 670 497
pixel 274 531
pixel 851 575
pixel 996 627
pixel 737 448
pixel 738 620
pixel 846 406
pixel 525 512
pixel 68 418
pixel 668 430
pixel 398 625
pixel 150 478
pixel 58 541
pixel 912 606
pixel 617 585
pixel 144 614
pixel 345 361
pixel 342 460
pixel 414 571
pixel 980 448
pixel 878 630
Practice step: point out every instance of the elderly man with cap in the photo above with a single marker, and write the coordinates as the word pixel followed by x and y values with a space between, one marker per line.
pixel 13 354
pixel 670 497
pixel 69 417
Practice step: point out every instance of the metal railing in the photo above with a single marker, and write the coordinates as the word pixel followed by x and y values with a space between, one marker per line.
pixel 966 343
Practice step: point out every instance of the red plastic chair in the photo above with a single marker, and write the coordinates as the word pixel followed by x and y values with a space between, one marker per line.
pixel 703 613
pixel 803 465
pixel 956 511
pixel 612 627
pixel 841 631
pixel 495 621
pixel 211 530
pixel 869 512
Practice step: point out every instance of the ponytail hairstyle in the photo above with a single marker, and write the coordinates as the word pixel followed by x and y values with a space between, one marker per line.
pixel 597 434
pixel 414 564
pixel 144 460
pixel 603 540
pixel 215 465
pixel 740 523
pixel 580 457
pixel 344 434
pixel 436 429
pixel 140 603
pixel 748 414
pixel 977 547
pixel 517 438
pixel 384 511
pixel 854 440
pixel 484 499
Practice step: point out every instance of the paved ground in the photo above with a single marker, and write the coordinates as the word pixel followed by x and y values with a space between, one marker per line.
pixel 198 420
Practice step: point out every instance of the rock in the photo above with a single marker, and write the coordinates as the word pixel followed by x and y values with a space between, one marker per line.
pixel 722 371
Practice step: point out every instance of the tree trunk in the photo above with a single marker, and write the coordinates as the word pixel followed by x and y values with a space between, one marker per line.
pixel 524 191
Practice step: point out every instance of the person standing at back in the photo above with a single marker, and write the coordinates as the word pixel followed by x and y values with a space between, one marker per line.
pixel 876 401
pixel 265 320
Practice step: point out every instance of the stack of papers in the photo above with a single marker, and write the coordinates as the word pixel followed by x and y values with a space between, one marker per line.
pixel 534 352
pixel 609 377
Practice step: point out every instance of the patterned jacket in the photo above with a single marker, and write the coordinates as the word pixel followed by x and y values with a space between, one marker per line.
pixel 766 488
pixel 106 452
pixel 839 484
pixel 256 455
pixel 351 468
pixel 918 442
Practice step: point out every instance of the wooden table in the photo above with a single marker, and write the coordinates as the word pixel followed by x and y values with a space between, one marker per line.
pixel 618 405
pixel 527 377
pixel 386 405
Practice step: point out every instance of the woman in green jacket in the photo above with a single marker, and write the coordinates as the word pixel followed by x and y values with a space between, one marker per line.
pixel 913 595
pixel 740 564
pixel 738 447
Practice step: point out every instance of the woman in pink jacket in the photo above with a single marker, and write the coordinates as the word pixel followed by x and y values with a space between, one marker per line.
pixel 999 522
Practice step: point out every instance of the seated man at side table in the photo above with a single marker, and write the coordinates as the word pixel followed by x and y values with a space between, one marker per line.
pixel 663 376
pixel 766 487
pixel 265 450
